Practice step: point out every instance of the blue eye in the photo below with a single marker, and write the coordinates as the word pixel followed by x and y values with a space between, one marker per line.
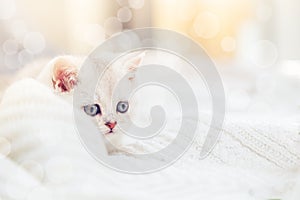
pixel 92 109
pixel 122 106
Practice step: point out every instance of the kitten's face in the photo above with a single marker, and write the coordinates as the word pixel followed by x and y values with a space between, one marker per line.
pixel 105 110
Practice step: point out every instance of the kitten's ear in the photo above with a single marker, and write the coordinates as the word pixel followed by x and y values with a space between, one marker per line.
pixel 65 72
pixel 134 62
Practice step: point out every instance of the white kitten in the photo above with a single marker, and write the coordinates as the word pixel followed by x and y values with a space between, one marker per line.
pixel 61 74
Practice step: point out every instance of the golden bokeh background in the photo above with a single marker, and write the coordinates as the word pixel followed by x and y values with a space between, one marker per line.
pixel 249 33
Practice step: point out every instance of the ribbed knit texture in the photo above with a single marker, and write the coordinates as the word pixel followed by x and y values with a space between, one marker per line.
pixel 252 160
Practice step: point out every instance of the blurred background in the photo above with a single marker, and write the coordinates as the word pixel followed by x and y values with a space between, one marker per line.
pixel 254 43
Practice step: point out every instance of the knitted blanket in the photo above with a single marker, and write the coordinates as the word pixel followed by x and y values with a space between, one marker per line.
pixel 41 157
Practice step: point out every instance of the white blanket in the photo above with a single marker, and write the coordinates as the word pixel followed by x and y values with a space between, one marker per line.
pixel 44 159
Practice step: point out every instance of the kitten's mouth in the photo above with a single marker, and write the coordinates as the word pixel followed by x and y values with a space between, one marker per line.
pixel 110 132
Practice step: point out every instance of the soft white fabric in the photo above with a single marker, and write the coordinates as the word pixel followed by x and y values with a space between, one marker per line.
pixel 254 159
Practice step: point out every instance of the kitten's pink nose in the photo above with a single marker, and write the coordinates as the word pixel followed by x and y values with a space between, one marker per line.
pixel 111 125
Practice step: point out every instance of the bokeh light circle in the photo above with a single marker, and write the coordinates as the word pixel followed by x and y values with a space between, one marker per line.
pixel 11 62
pixel 124 14
pixel 207 25
pixel 10 46
pixel 112 25
pixel 25 57
pixel 136 4
pixel 264 54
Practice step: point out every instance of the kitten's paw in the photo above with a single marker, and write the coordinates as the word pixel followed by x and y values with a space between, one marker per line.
pixel 65 74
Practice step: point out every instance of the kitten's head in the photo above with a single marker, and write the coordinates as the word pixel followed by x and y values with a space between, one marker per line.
pixel 107 111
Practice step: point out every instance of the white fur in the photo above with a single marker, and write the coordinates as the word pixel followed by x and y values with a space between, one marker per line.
pixel 103 93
